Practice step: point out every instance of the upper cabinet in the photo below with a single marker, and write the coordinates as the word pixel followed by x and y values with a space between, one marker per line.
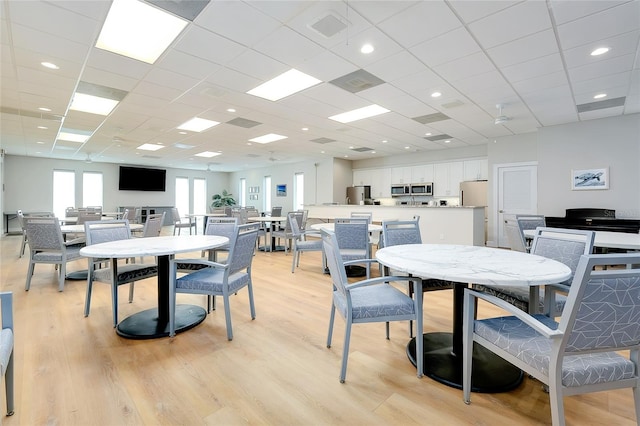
pixel 381 183
pixel 447 178
pixel 420 174
pixel 476 169
pixel 401 175
pixel 362 177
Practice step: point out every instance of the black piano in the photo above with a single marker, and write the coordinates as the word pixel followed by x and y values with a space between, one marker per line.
pixel 594 220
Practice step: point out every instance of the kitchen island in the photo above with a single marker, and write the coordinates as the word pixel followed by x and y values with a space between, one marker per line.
pixel 463 225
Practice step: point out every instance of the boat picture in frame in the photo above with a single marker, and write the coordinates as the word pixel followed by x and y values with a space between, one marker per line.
pixel 590 179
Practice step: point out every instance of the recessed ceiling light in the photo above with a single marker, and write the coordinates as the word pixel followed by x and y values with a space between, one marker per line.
pixel 284 85
pixel 428 134
pixel 182 133
pixel 321 152
pixel 40 143
pixel 92 104
pixel 373 152
pixel 351 147
pixel 304 129
pixel 600 96
pixel 346 156
pixel 139 31
pixel 271 137
pixel 50 65
pixel 359 114
pixel 231 110
pixel 150 147
pixel 198 124
pixel 45 109
pixel 599 51
pixel 43 127
pixel 366 49
pixel 407 147
pixel 436 94
pixel 207 154
pixel 447 141
pixel 384 141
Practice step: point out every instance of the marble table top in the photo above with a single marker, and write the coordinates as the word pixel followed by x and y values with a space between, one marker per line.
pixel 605 239
pixel 79 229
pixel 267 219
pixel 473 264
pixel 330 226
pixel 153 246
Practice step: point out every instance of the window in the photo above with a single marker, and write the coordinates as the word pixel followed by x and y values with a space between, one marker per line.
pixel 298 191
pixel 243 192
pixel 64 191
pixel 92 189
pixel 182 195
pixel 199 196
pixel 267 193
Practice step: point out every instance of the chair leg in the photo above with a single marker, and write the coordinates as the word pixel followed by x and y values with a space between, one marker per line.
pixel 557 404
pixel 29 275
pixel 114 301
pixel 131 286
pixel 8 384
pixel 252 306
pixel 345 351
pixel 227 317
pixel 467 339
pixel 87 300
pixel 296 254
pixel 62 277
pixel 331 318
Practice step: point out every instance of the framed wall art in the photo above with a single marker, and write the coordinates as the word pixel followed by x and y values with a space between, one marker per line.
pixel 590 179
pixel 281 190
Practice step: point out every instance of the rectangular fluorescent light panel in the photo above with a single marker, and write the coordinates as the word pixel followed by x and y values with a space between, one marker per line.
pixel 207 154
pixel 137 30
pixel 284 85
pixel 150 147
pixel 271 137
pixel 73 135
pixel 197 124
pixel 359 114
pixel 92 104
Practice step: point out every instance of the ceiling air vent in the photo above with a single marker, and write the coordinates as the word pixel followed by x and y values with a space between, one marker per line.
pixel 244 122
pixel 187 9
pixel 322 140
pixel 438 137
pixel 363 149
pixel 357 81
pixel 253 155
pixel 329 26
pixel 431 118
pixel 608 103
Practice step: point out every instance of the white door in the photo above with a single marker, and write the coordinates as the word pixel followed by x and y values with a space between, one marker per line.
pixel 517 193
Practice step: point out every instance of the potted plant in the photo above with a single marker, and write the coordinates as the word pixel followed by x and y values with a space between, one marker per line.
pixel 224 199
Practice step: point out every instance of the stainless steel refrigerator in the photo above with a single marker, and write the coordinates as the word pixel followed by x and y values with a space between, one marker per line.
pixel 358 194
pixel 473 193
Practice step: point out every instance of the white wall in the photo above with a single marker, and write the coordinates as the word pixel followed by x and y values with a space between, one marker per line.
pixel 28 184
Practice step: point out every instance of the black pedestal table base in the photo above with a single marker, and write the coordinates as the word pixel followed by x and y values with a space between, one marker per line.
pixel 490 373
pixel 145 325
pixel 355 271
pixel 77 275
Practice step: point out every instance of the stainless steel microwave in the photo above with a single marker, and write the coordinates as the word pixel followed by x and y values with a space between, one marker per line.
pixel 400 190
pixel 422 188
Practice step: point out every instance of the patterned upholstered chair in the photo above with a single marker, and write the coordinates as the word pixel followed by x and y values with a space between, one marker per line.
pixel 594 347
pixel 180 222
pixel 397 232
pixel 300 243
pixel 6 348
pixel 563 245
pixel 514 235
pixel 371 300
pixel 112 230
pixel 47 245
pixel 153 225
pixel 217 279
pixel 221 226
pixel 526 222
pixel 286 233
pixel 352 235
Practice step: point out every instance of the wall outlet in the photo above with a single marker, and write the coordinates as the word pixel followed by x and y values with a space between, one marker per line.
pixel 442 236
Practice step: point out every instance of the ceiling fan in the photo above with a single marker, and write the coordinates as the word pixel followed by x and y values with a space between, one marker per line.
pixel 501 119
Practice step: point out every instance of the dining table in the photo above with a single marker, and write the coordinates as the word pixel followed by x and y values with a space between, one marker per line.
pixel 274 221
pixel 465 265
pixel 154 323
pixel 603 239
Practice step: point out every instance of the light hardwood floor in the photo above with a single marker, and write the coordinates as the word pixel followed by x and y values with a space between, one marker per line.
pixel 72 370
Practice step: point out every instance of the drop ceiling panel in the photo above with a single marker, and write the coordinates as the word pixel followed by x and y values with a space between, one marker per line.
pixel 534 68
pixel 186 64
pixel 540 83
pixel 602 68
pixel 350 49
pixel 396 66
pixel 468 66
pixel 53 46
pixel 471 11
pixel 565 11
pixel 206 45
pixel 620 45
pixel 326 66
pixel 452 45
pixel 524 49
pixel 117 64
pixel 288 47
pixel 109 79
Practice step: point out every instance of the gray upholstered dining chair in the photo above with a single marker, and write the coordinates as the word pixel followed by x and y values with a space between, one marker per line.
pixel 300 243
pixel 286 233
pixel 218 279
pixel 179 222
pixel 514 235
pixel 371 300
pixel 593 347
pixel 528 222
pixel 563 245
pixel 6 348
pixel 47 245
pixel 114 274
pixel 153 225
pixel 352 235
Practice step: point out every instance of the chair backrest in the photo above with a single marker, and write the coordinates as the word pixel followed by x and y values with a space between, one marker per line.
pixel 530 221
pixel 253 213
pixel 614 294
pixel 175 215
pixel 276 211
pixel 153 225
pixel 297 216
pixel 293 225
pixel 137 217
pixel 215 222
pixel 335 262
pixel 20 216
pixel 103 231
pixel 70 212
pixel 563 245
pixel 242 247
pixel 352 235
pixel 228 210
pixel 44 233
pixel 399 232
pixel 514 236
pixel 126 214
pixel 87 216
pixel 364 215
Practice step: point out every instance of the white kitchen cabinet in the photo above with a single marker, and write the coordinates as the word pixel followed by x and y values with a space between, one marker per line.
pixel 476 169
pixel 423 173
pixel 362 177
pixel 381 183
pixel 400 175
pixel 447 178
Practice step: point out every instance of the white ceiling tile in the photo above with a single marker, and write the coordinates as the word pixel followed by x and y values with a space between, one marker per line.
pixel 471 11
pixel 117 64
pixel 288 47
pixel 532 17
pixel 534 68
pixel 606 24
pixel 350 50
pixel 623 44
pixel 602 68
pixel 420 22
pixel 447 47
pixel 395 67
pixel 603 84
pixel 204 44
pixel 468 66
pixel 50 46
pixel 186 64
pixel 524 49
pixel 327 66
pixel 377 11
pixel 569 10
pixel 546 81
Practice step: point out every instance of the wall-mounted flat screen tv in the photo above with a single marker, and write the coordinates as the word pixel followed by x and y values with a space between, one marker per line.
pixel 142 179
